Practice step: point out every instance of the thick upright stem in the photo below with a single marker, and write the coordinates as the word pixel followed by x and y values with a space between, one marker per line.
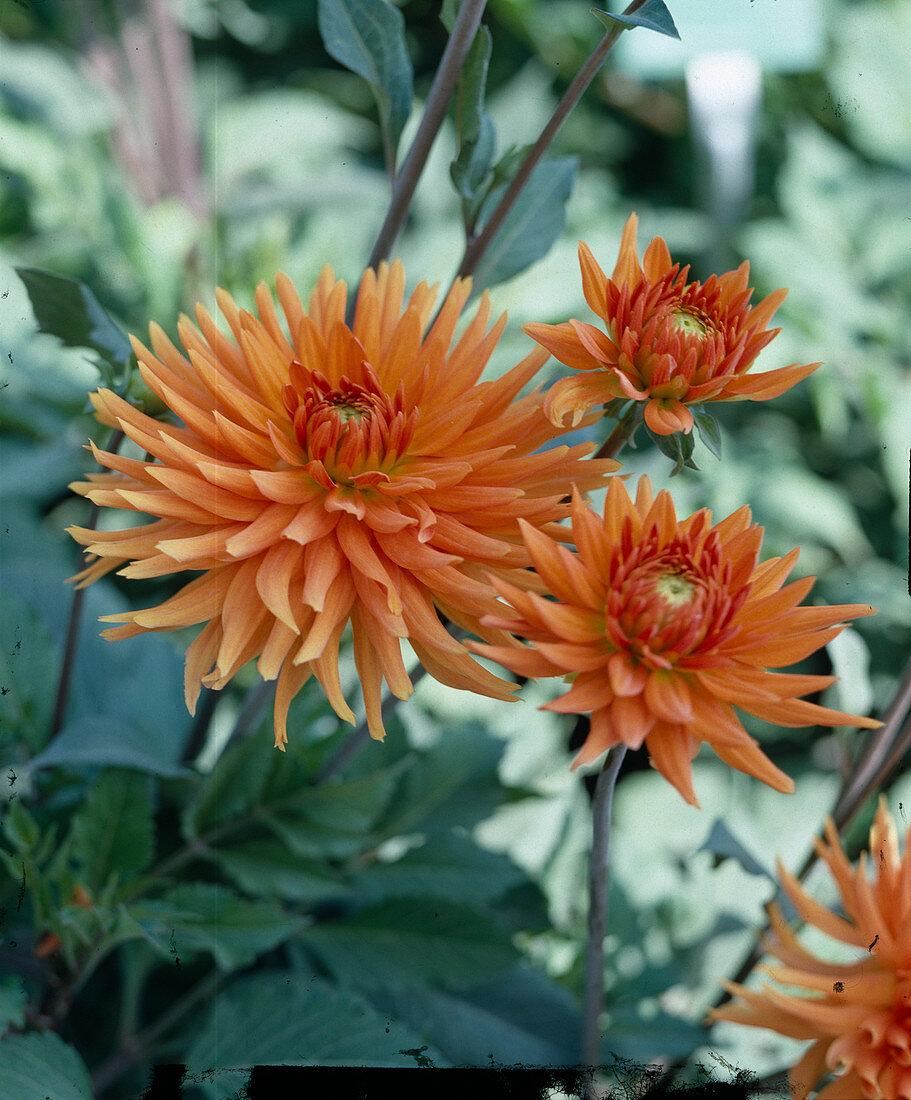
pixel 597 905
pixel 476 248
pixel 463 32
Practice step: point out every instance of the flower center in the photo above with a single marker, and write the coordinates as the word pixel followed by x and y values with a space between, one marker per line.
pixel 675 589
pixel 352 428
pixel 688 321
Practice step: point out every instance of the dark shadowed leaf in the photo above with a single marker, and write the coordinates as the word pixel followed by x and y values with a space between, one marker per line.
pixel 38 1066
pixel 67 309
pixel 722 843
pixel 708 429
pixel 267 868
pixel 110 742
pixel 410 942
pixel 112 831
pixel 447 865
pixel 282 1018
pixel 368 37
pixel 653 16
pixel 206 917
pixel 522 1017
pixel 533 224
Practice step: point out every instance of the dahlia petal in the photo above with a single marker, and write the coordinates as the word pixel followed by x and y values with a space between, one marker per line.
pixel 667 696
pixel 290 680
pixel 596 343
pixel 274 579
pixel 671 750
pixel 458 670
pixel 632 719
pixel 242 613
pixel 752 760
pixel 338 604
pixel 769 384
pixel 572 658
pixel 263 532
pixel 286 486
pixel 627 269
pixel 519 659
pixel 589 692
pixel 812 912
pixel 194 603
pixel 594 281
pixel 627 676
pixel 601 737
pixel 408 552
pixel 358 548
pixel 665 417
pixel 200 658
pixel 276 649
pixel 370 673
pixel 563 344
pixel 325 669
pixel 799 712
pixel 323 560
pixel 312 522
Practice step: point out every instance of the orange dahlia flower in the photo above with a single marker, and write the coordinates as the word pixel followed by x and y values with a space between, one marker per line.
pixel 336 474
pixel 857 1013
pixel 669 343
pixel 666 626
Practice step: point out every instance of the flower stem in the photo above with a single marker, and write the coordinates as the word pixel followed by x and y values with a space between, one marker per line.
pixel 463 32
pixel 872 771
pixel 622 433
pixel 476 247
pixel 136 1047
pixel 71 645
pixel 597 905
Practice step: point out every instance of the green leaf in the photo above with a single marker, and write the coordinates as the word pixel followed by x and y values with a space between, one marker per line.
pixel 109 741
pixel 233 786
pixel 353 805
pixel 67 309
pixel 470 88
pixel 113 831
pixel 653 16
pixel 708 429
pixel 475 130
pixel 522 1017
pixel 532 225
pixel 268 869
pixel 280 1018
pixel 678 447
pixel 450 866
pixel 411 941
pixel 454 783
pixel 20 827
pixel 38 1066
pixel 368 37
pixel 13 1000
pixel 722 843
pixel 206 917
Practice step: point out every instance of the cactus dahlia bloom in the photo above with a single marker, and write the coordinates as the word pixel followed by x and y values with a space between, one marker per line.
pixel 665 626
pixel 858 1014
pixel 327 476
pixel 668 343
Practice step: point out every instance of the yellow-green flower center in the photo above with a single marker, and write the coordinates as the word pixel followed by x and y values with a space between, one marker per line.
pixel 674 589
pixel 689 322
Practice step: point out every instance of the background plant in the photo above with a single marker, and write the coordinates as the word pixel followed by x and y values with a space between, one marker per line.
pixel 164 878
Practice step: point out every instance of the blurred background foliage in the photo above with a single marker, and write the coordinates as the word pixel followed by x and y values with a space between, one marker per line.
pixel 208 905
